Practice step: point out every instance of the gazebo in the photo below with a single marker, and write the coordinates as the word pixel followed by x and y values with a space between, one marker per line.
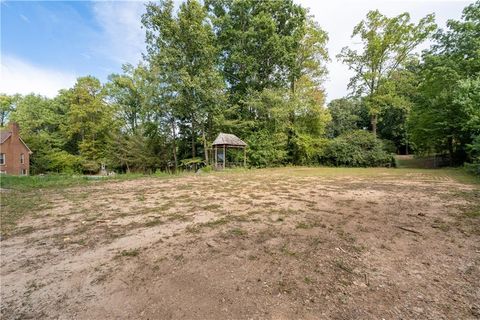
pixel 224 141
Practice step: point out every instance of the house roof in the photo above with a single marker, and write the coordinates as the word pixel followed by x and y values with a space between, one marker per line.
pixel 228 139
pixel 4 135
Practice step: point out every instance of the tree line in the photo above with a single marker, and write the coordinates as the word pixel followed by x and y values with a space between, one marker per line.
pixel 256 69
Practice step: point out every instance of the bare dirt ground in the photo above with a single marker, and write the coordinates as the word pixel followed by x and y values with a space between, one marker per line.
pixel 292 243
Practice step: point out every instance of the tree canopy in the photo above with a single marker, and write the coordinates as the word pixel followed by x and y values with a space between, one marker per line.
pixel 256 69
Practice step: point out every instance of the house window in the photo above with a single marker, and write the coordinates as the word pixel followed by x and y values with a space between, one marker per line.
pixel 22 158
pixel 24 172
pixel 3 172
pixel 2 158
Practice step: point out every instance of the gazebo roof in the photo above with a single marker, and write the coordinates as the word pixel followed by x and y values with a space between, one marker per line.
pixel 229 140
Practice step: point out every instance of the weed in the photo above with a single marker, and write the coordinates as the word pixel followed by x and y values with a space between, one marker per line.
pixel 152 223
pixel 129 253
pixel 474 213
pixel 238 232
pixel 177 216
pixel 215 223
pixel 340 264
pixel 287 251
pixel 304 225
pixel 193 229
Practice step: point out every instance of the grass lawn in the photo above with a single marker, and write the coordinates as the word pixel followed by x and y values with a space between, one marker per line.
pixel 267 243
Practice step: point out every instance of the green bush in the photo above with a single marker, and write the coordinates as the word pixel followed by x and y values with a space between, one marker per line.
pixel 389 146
pixel 207 169
pixel 90 166
pixel 266 149
pixel 474 154
pixel 63 162
pixel 473 168
pixel 308 149
pixel 357 148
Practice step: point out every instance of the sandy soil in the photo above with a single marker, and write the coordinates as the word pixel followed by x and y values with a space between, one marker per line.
pixel 266 244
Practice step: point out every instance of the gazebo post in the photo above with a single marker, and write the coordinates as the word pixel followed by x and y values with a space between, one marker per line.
pixel 216 151
pixel 224 156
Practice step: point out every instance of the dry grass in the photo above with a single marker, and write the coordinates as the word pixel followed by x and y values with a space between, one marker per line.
pixel 271 243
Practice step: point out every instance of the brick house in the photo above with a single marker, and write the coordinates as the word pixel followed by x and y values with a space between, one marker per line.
pixel 14 153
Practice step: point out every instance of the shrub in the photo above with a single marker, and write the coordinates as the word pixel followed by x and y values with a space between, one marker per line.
pixel 64 162
pixel 207 169
pixel 389 146
pixel 357 149
pixel 266 149
pixel 474 153
pixel 308 149
pixel 90 166
pixel 473 168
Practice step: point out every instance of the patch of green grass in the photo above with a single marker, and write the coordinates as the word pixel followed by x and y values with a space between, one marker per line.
pixel 15 206
pixel 238 232
pixel 210 207
pixel 215 223
pixel 55 181
pixel 473 213
pixel 303 225
pixel 64 180
pixel 129 253
pixel 177 216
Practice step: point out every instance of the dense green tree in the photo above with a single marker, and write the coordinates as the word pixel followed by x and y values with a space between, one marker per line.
pixel 129 91
pixel 444 115
pixel 90 121
pixel 182 50
pixel 7 105
pixel 387 43
pixel 347 114
pixel 259 42
pixel 40 119
pixel 256 68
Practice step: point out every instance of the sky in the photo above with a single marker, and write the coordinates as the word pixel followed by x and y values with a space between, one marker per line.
pixel 46 45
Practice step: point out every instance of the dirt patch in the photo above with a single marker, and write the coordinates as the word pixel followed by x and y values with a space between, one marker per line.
pixel 264 244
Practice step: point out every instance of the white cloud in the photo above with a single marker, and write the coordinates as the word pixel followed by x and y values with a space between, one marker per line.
pixel 24 18
pixel 122 38
pixel 340 16
pixel 18 76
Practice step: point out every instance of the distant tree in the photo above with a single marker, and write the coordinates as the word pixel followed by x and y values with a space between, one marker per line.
pixel 445 116
pixel 307 116
pixel 259 43
pixel 6 107
pixel 387 43
pixel 129 92
pixel 90 121
pixel 40 119
pixel 182 52
pixel 347 114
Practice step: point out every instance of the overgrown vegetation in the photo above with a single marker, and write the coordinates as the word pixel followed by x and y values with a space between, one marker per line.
pixel 256 69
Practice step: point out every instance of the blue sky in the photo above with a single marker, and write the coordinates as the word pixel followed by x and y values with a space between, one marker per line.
pixel 46 45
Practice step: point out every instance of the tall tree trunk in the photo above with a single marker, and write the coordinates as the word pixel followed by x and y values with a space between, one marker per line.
pixel 205 150
pixel 373 121
pixel 194 150
pixel 174 145
pixel 291 119
pixel 451 151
